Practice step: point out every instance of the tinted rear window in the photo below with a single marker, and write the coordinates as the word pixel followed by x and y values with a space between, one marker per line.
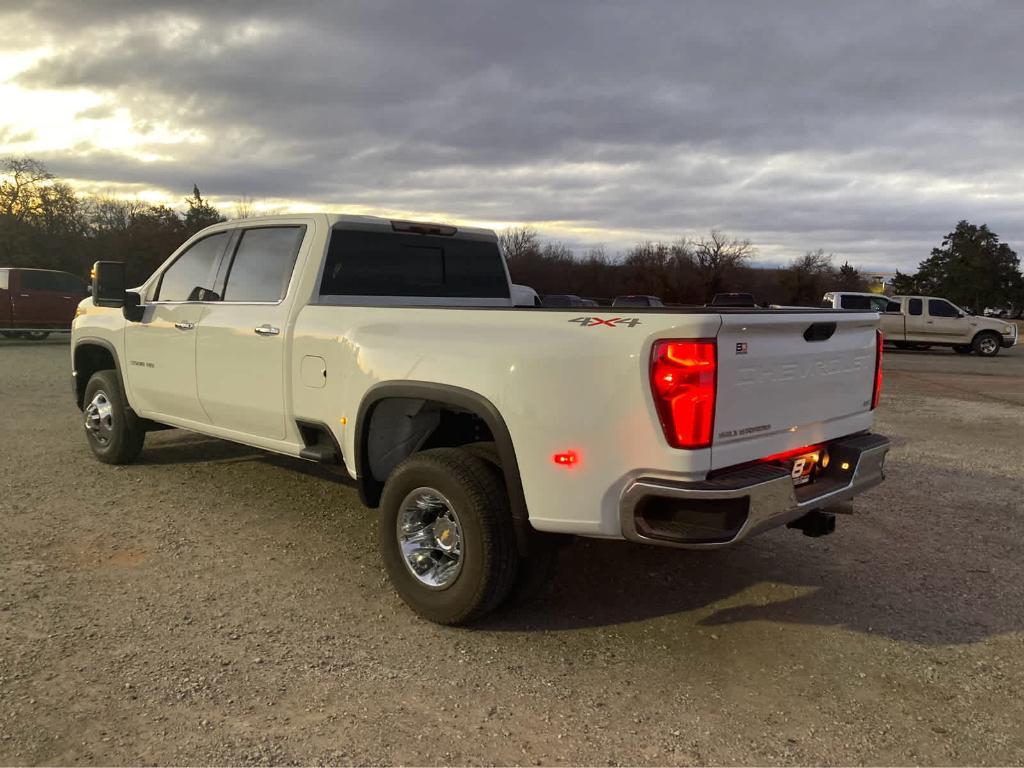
pixel 915 307
pixel 851 301
pixel 384 264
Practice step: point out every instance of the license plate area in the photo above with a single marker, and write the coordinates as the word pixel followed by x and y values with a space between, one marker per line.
pixel 803 468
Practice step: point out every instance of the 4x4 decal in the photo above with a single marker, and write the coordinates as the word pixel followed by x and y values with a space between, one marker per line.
pixel 591 322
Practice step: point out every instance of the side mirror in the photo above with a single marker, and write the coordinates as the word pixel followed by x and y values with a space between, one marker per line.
pixel 960 314
pixel 108 284
pixel 133 309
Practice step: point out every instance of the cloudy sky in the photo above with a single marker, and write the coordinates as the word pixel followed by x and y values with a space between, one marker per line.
pixel 867 129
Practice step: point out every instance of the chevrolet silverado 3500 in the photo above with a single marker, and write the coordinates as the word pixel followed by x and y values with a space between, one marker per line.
pixel 479 429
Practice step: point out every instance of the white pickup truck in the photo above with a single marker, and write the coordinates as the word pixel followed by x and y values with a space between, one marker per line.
pixel 478 428
pixel 919 322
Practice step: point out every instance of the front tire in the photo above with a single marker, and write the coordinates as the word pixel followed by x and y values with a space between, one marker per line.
pixel 111 427
pixel 37 335
pixel 445 536
pixel 987 344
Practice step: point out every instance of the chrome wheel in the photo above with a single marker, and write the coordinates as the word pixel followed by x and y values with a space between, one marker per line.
pixel 99 418
pixel 988 345
pixel 430 538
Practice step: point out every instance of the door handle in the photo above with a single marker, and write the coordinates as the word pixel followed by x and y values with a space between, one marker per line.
pixel 266 330
pixel 25 295
pixel 184 326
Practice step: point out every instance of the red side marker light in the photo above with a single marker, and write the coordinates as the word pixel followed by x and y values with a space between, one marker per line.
pixel 567 459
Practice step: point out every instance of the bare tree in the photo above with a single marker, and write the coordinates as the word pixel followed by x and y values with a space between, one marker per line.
pixel 807 277
pixel 517 242
pixel 245 208
pixel 718 255
pixel 19 191
pixel 113 214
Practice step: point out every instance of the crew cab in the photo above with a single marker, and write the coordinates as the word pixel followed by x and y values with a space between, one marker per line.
pixel 481 430
pixel 927 321
pixel 37 302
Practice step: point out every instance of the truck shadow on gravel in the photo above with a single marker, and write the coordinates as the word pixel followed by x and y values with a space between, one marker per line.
pixel 881 574
pixel 601 583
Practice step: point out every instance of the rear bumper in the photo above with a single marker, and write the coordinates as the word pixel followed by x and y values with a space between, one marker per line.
pixel 731 507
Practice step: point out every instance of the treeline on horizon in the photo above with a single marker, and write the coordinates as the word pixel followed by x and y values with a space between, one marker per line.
pixel 44 223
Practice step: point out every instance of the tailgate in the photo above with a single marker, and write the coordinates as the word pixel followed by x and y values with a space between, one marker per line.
pixel 786 381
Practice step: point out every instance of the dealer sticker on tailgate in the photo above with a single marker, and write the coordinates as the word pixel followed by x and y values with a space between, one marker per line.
pixel 802 468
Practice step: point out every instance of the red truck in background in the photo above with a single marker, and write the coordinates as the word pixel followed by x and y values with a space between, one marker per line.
pixel 37 302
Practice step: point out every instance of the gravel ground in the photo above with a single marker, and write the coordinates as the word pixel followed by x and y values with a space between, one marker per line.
pixel 213 604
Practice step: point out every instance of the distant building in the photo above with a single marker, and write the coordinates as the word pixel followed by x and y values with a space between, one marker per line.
pixel 879 282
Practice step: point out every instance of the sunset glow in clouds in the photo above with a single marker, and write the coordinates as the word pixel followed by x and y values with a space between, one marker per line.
pixel 864 130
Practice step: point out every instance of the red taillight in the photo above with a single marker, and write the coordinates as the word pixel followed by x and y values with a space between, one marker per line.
pixel 683 381
pixel 877 394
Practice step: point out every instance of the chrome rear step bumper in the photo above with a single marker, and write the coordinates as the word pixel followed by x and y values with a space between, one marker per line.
pixel 731 507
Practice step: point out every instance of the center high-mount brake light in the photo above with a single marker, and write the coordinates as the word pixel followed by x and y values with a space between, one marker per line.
pixel 876 394
pixel 423 228
pixel 684 382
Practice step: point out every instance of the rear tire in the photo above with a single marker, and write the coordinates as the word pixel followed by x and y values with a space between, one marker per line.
pixel 445 535
pixel 987 344
pixel 111 427
pixel 538 566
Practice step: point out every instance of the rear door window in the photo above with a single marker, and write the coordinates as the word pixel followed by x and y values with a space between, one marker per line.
pixel 263 264
pixel 362 263
pixel 194 270
pixel 915 307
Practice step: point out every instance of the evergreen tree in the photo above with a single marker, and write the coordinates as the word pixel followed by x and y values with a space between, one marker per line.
pixel 200 214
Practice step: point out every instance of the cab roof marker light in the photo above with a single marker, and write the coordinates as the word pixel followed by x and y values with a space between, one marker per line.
pixel 423 228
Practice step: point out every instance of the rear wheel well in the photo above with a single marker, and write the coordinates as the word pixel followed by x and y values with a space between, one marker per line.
pixel 397 419
pixel 397 427
pixel 90 359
